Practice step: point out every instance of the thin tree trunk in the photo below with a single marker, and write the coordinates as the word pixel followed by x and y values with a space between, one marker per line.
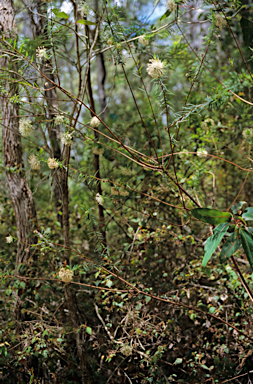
pixel 20 193
pixel 61 174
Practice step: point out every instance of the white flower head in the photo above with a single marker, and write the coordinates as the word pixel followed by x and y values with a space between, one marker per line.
pixel 66 275
pixel 83 8
pixel 41 53
pixel 52 163
pixel 94 122
pixel 110 42
pixel 207 123
pixel 9 239
pixel 202 152
pixel 124 192
pixel 66 138
pixel 155 68
pixel 126 350
pixel 99 199
pixel 34 162
pixel 114 191
pixel 219 21
pixel 25 127
pixel 142 40
pixel 59 119
pixel 171 5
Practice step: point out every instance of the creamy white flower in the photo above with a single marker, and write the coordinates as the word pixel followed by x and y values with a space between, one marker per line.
pixel 155 68
pixel 124 192
pixel 34 162
pixel 59 119
pixel 126 350
pixel 171 5
pixel 25 127
pixel 142 40
pixel 99 199
pixel 52 163
pixel 9 239
pixel 219 21
pixel 202 152
pixel 114 191
pixel 66 138
pixel 66 275
pixel 110 42
pixel 83 8
pixel 94 122
pixel 41 53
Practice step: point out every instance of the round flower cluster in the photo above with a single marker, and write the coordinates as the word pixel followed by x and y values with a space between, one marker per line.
pixel 124 193
pixel 114 191
pixel 34 162
pixel 98 151
pixel 207 123
pixel 59 119
pixel 155 68
pixel 219 21
pixel 142 40
pixel 9 239
pixel 94 122
pixel 99 199
pixel 126 350
pixel 41 53
pixel 171 5
pixel 25 127
pixel 83 8
pixel 202 152
pixel 66 138
pixel 52 163
pixel 110 42
pixel 66 275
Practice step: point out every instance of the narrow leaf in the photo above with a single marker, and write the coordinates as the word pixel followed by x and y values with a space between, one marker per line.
pixel 247 243
pixel 211 216
pixel 230 247
pixel 85 22
pixel 248 214
pixel 213 242
pixel 166 14
pixel 61 15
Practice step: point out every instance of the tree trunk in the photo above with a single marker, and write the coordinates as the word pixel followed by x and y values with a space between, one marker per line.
pixel 20 193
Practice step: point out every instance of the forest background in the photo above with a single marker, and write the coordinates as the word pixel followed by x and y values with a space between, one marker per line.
pixel 118 120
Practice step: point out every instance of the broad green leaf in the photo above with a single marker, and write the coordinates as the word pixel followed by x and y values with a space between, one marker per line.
pixel 236 207
pixel 248 214
pixel 213 241
pixel 211 216
pixel 61 15
pixel 89 330
pixel 166 14
pixel 247 243
pixel 230 247
pixel 85 22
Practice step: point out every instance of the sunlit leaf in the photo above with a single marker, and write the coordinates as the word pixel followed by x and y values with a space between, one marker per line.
pixel 61 15
pixel 211 216
pixel 85 22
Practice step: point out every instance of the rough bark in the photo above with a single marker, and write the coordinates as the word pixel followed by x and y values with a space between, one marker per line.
pixel 20 193
pixel 60 175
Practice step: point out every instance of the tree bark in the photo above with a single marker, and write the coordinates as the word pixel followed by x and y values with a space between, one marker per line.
pixel 20 193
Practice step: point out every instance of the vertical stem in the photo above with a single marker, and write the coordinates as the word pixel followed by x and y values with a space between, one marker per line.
pixel 241 278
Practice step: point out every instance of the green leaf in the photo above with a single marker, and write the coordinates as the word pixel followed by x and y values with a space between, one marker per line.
pixel 166 14
pixel 236 207
pixel 230 247
pixel 248 214
pixel 85 22
pixel 211 216
pixel 89 330
pixel 213 241
pixel 61 15
pixel 179 360
pixel 247 243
